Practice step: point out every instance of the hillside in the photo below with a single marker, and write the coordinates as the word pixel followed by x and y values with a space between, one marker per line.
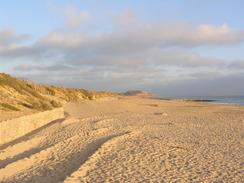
pixel 20 96
pixel 139 93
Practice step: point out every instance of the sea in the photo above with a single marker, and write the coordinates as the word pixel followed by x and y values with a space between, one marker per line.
pixel 227 100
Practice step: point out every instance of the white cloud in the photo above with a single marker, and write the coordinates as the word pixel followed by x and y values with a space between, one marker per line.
pixel 219 85
pixel 15 51
pixel 137 56
pixel 144 37
pixel 210 34
pixel 75 18
pixel 24 67
pixel 126 19
pixel 60 41
pixel 42 67
pixel 179 57
pixel 239 64
pixel 126 44
pixel 9 36
pixel 206 75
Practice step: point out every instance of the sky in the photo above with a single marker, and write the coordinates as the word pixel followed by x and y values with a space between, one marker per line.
pixel 167 47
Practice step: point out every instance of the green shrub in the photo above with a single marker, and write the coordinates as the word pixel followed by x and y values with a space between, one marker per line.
pixel 90 97
pixel 29 86
pixel 87 93
pixel 19 86
pixel 56 104
pixel 8 106
pixel 46 105
pixel 25 105
pixel 42 105
pixel 36 105
pixel 50 91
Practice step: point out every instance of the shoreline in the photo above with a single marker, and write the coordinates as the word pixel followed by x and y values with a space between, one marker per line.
pixel 211 100
pixel 132 139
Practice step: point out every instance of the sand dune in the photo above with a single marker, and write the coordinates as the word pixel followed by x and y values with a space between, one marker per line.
pixel 132 140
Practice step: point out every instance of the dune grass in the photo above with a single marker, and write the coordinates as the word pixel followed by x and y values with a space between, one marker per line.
pixel 10 107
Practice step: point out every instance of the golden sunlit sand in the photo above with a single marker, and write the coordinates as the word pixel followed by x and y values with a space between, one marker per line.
pixel 132 139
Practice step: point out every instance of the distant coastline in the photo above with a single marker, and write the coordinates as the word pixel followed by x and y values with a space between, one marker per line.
pixel 226 100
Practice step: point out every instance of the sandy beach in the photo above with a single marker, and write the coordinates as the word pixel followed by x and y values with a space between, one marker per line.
pixel 131 139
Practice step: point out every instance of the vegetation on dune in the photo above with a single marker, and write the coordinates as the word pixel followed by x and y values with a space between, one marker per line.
pixel 8 106
pixel 87 93
pixel 22 94
pixel 50 91
pixel 25 105
pixel 20 87
pixel 42 105
pixel 56 104
pixel 29 86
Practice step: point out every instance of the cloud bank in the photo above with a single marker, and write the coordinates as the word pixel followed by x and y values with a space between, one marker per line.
pixel 133 55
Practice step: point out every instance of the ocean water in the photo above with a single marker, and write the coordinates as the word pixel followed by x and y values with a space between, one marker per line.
pixel 227 100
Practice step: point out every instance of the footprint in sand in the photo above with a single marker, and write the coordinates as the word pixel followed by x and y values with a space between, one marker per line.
pixel 103 121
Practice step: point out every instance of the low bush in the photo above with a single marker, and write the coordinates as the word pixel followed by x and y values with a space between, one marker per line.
pixel 29 86
pixel 42 105
pixel 25 105
pixel 46 105
pixel 50 91
pixel 56 104
pixel 8 106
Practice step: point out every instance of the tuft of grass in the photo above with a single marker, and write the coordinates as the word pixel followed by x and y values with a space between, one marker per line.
pixel 8 106
pixel 46 105
pixel 29 86
pixel 25 105
pixel 50 91
pixel 56 104
pixel 19 86
pixel 34 92
pixel 87 93
pixel 42 105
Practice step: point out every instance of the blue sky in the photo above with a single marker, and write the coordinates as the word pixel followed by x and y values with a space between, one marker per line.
pixel 188 47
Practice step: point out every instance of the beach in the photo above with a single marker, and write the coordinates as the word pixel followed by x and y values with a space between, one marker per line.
pixel 132 139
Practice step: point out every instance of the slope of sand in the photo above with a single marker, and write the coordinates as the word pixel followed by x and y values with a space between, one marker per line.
pixel 132 140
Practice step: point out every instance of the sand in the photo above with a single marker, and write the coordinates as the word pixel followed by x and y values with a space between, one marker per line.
pixel 132 140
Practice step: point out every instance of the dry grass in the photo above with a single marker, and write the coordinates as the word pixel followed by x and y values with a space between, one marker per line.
pixel 10 107
pixel 27 97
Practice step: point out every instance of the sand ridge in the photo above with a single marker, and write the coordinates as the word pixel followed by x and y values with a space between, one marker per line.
pixel 132 139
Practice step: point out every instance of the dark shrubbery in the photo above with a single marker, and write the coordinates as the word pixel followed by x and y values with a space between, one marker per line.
pixel 56 104
pixel 29 86
pixel 42 105
pixel 22 88
pixel 8 106
pixel 46 105
pixel 25 105
pixel 87 93
pixel 50 91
